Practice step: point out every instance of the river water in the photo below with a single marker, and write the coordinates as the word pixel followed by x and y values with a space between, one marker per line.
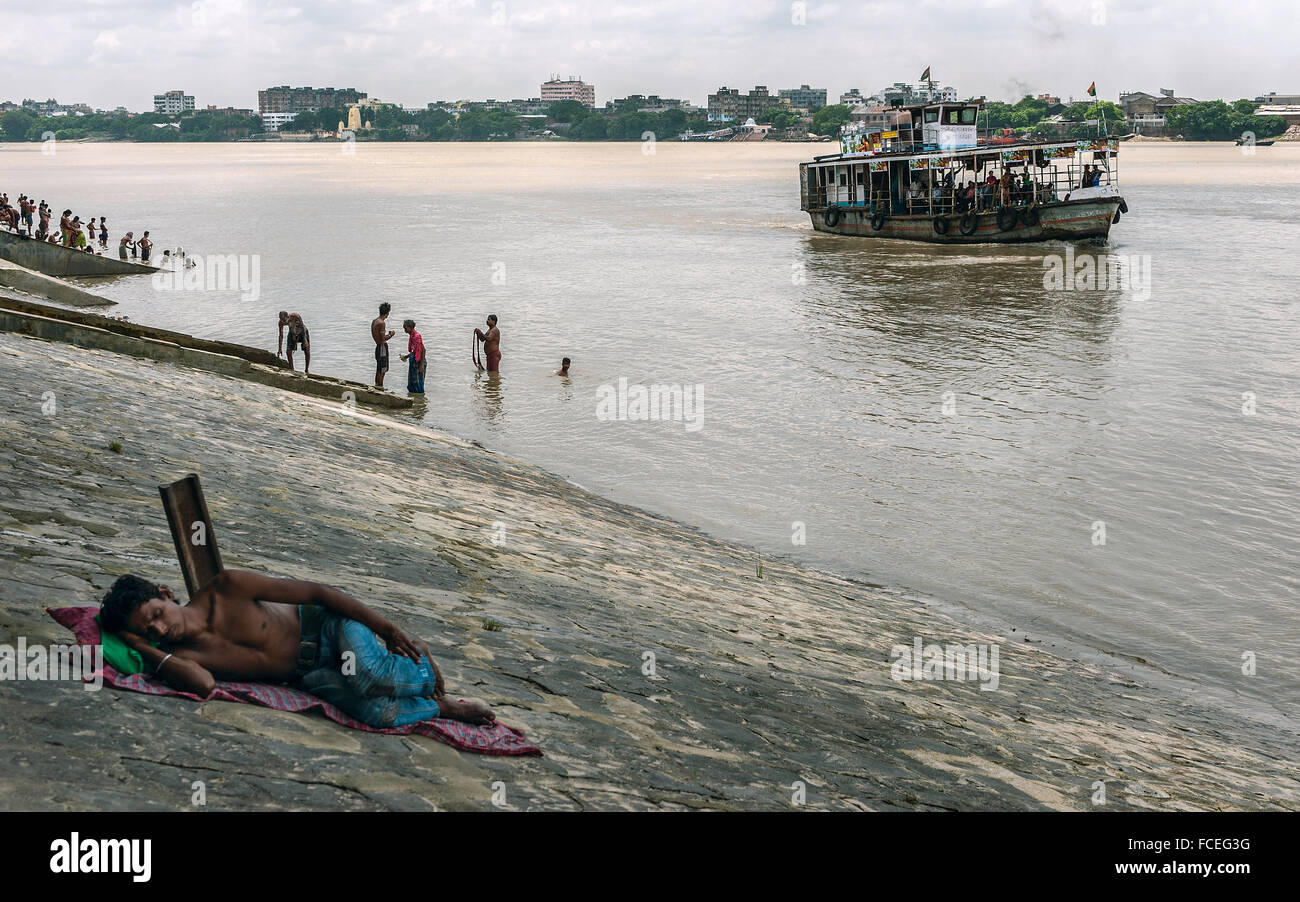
pixel 939 421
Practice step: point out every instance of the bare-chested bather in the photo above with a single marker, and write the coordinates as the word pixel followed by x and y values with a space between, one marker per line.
pixel 380 332
pixel 491 344
pixel 245 626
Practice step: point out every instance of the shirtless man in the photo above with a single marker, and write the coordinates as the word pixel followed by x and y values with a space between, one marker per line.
pixel 564 367
pixel 298 335
pixel 378 333
pixel 245 626
pixel 491 344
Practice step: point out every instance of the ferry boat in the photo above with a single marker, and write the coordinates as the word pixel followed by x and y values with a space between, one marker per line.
pixel 911 179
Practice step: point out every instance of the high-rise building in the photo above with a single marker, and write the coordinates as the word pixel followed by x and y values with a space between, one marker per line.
pixel 568 89
pixel 640 103
pixel 805 98
pixel 285 99
pixel 173 102
pixel 729 105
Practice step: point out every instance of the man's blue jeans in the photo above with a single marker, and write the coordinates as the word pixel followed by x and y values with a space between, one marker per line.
pixel 357 674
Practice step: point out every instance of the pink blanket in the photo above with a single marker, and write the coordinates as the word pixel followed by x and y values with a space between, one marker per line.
pixel 496 739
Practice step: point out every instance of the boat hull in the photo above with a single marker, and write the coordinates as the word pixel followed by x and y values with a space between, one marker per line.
pixel 1078 220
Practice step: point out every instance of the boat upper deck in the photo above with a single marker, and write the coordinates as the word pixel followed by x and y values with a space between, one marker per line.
pixel 984 147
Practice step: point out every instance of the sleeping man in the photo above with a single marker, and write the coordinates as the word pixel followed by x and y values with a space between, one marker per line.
pixel 244 626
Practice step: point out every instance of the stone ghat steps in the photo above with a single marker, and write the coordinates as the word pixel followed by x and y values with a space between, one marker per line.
pixel 56 260
pixel 22 279
pixel 252 364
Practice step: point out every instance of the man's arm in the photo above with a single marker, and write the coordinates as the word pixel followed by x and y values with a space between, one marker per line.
pixel 297 591
pixel 181 673
pixel 279 343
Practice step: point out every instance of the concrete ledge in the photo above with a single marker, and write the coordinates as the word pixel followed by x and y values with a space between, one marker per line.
pixel 137 330
pixel 83 335
pixel 17 277
pixel 56 260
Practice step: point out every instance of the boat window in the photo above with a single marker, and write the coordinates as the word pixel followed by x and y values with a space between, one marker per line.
pixel 952 116
pixel 968 115
pixel 931 115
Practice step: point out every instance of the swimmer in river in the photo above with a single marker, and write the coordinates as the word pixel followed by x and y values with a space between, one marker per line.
pixel 245 626
pixel 491 344
pixel 377 331
pixel 564 367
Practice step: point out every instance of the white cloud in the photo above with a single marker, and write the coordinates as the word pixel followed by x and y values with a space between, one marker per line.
pixel 418 50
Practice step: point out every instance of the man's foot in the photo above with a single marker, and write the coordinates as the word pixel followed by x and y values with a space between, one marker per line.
pixel 469 712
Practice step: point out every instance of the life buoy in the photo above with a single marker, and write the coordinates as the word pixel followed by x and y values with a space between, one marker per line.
pixel 1007 219
pixel 941 225
pixel 877 222
pixel 832 217
pixel 1029 216
pixel 969 223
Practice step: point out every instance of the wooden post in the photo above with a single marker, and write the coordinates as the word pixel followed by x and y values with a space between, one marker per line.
pixel 192 533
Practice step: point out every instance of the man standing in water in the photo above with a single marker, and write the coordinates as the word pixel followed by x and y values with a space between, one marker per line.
pixel 419 362
pixel 298 335
pixel 377 331
pixel 491 344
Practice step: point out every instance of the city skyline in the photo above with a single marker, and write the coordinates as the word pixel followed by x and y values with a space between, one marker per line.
pixel 224 51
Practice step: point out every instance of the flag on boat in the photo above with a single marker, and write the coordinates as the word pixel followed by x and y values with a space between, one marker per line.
pixel 1092 88
pixel 925 76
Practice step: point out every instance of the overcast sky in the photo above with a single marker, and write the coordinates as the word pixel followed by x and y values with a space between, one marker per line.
pixel 121 52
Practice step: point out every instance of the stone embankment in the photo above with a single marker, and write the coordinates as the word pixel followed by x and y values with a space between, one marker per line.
pixel 656 667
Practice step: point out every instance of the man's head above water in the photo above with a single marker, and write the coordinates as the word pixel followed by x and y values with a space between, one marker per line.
pixel 141 607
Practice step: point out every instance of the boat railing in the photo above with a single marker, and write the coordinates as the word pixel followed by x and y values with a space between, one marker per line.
pixel 946 191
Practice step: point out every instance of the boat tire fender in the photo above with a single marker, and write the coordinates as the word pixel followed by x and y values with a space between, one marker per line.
pixel 1029 216
pixel 941 225
pixel 832 217
pixel 877 222
pixel 1116 218
pixel 1006 219
pixel 1123 206
pixel 969 223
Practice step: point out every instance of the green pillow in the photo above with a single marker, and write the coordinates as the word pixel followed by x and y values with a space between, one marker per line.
pixel 117 654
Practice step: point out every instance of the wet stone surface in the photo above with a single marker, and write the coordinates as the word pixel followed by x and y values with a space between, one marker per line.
pixel 758 683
